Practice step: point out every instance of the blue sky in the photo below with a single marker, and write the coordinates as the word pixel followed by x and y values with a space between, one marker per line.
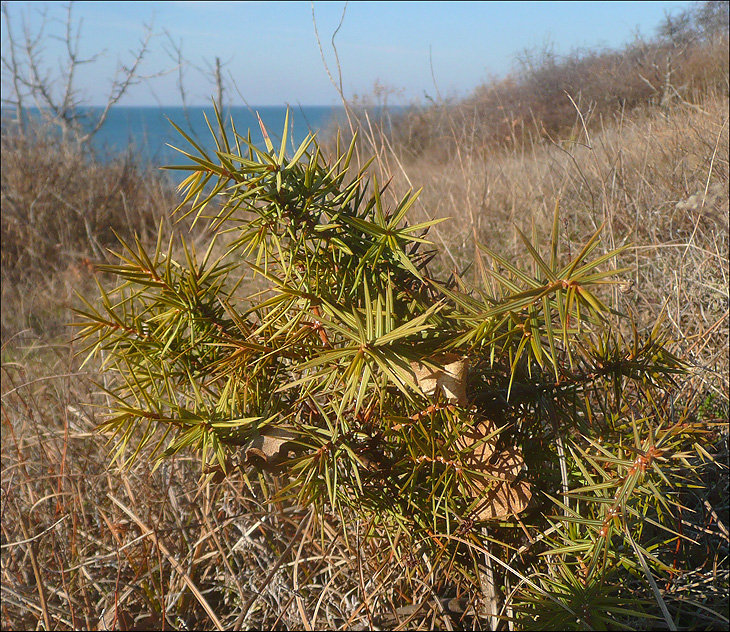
pixel 270 49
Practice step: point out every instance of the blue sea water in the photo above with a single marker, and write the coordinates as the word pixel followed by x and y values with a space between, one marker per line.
pixel 148 130
pixel 148 133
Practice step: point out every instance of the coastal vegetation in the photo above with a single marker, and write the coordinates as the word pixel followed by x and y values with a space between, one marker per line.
pixel 580 281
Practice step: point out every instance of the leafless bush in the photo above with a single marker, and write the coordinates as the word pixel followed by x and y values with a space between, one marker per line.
pixel 31 81
pixel 62 211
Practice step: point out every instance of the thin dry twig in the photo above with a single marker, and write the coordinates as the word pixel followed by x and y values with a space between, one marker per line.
pixel 247 606
pixel 146 531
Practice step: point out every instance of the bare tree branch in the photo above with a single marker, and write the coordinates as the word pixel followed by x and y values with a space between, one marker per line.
pixel 129 77
pixel 14 68
pixel 56 94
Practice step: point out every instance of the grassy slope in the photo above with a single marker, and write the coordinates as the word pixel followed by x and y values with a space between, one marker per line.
pixel 658 181
pixel 76 536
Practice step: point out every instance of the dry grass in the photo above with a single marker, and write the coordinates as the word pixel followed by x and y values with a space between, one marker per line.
pixel 530 104
pixel 60 213
pixel 92 547
pixel 658 180
pixel 85 545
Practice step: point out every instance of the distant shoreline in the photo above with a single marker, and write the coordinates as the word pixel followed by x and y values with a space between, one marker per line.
pixel 147 130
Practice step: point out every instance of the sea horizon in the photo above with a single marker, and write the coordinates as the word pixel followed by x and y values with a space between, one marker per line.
pixel 146 130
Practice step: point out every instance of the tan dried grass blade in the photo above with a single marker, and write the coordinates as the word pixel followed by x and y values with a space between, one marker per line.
pixel 170 558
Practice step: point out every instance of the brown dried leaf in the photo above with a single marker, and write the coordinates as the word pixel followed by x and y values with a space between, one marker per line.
pixel 268 445
pixel 484 449
pixel 451 379
pixel 500 497
pixel 507 466
pixel 504 500
pixel 503 471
